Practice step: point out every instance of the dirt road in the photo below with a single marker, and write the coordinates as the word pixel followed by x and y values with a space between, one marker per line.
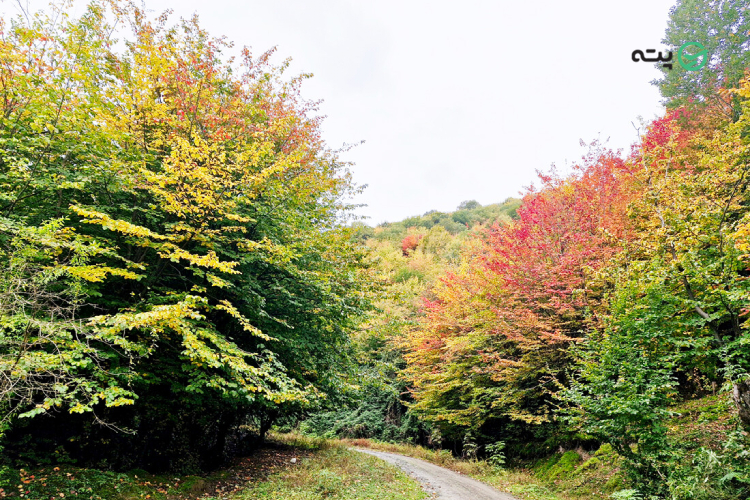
pixel 441 483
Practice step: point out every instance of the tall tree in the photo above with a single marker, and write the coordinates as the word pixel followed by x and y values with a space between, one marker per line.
pixel 194 209
pixel 677 317
pixel 723 28
pixel 497 332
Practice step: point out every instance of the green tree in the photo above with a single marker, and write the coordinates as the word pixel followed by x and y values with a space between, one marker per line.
pixel 679 297
pixel 723 28
pixel 175 224
pixel 469 205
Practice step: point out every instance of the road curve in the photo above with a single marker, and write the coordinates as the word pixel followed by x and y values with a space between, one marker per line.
pixel 441 483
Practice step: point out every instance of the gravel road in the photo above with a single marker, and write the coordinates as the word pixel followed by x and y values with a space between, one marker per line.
pixel 441 483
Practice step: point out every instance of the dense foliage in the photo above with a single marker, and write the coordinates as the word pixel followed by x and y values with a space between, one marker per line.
pixel 178 270
pixel 615 294
pixel 722 28
pixel 407 261
pixel 619 292
pixel 173 257
pixel 468 214
pixel 496 335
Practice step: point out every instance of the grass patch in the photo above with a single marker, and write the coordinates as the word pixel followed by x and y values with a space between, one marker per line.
pixel 337 473
pixel 703 422
pixel 564 466
pixel 301 441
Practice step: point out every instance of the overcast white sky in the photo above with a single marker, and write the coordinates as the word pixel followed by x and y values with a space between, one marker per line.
pixel 456 100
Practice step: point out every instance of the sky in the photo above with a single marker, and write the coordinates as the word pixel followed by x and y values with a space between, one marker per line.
pixel 455 100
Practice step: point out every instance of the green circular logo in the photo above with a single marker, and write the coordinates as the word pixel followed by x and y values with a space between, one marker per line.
pixel 694 61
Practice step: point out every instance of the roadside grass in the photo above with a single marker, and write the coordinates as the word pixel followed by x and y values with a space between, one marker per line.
pixel 334 472
pixel 519 482
pixel 302 441
pixel 573 475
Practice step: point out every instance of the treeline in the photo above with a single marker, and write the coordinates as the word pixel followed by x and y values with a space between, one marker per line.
pixel 405 262
pixel 175 268
pixel 467 215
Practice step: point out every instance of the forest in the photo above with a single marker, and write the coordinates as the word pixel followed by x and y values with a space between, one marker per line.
pixel 182 270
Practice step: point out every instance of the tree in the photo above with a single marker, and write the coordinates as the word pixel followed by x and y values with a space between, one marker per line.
pixel 468 205
pixel 410 243
pixel 678 306
pixel 723 28
pixel 192 218
pixel 495 334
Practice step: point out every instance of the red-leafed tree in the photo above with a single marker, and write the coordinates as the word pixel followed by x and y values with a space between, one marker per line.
pixel 410 243
pixel 498 328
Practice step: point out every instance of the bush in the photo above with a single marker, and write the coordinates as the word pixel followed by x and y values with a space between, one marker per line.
pixel 495 455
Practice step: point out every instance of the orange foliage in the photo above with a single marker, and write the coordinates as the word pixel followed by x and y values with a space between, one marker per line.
pixel 506 316
pixel 410 243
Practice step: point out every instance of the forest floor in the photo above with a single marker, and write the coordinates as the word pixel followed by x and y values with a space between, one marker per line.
pixel 72 482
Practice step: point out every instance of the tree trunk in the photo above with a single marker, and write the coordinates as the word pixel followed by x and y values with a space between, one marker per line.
pixel 266 421
pixel 741 396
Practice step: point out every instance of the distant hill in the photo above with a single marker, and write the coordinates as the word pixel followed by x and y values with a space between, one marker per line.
pixel 467 215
